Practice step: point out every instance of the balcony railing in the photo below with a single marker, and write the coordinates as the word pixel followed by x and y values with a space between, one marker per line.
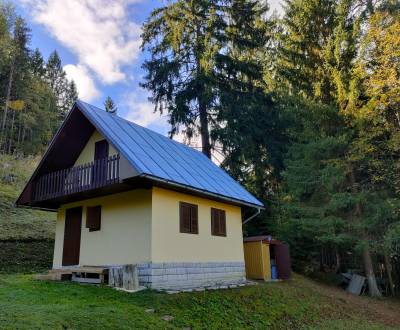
pixel 96 174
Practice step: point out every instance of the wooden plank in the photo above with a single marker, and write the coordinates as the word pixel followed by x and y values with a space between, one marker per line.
pixel 117 167
pixel 115 277
pixel 85 280
pixel 109 169
pixel 80 269
pixel 125 277
pixel 130 278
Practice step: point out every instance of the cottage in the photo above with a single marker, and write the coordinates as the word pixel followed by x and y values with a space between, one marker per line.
pixel 127 195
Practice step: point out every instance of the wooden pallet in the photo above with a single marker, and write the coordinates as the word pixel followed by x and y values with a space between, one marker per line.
pixel 92 275
pixel 84 274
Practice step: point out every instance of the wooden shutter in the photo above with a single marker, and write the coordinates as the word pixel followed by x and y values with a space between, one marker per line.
pixel 218 222
pixel 93 218
pixel 194 224
pixel 188 214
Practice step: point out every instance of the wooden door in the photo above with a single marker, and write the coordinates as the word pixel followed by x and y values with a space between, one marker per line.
pixel 100 150
pixel 266 262
pixel 282 258
pixel 100 162
pixel 72 236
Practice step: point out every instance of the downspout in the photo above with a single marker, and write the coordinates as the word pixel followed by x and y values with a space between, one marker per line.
pixel 251 217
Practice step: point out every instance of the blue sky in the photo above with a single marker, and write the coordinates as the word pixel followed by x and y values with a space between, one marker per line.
pixel 99 44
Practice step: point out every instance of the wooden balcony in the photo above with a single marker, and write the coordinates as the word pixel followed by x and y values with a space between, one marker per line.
pixel 90 176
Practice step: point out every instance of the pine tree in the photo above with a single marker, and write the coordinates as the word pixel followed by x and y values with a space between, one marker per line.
pixel 307 27
pixel 65 92
pixel 31 113
pixel 110 105
pixel 362 163
pixel 16 81
pixel 54 73
pixel 183 39
pixel 37 64
pixel 246 110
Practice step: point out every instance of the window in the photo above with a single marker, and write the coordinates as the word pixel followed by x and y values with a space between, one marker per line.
pixel 218 222
pixel 93 218
pixel 188 214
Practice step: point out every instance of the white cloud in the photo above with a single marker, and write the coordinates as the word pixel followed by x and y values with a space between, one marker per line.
pixel 86 88
pixel 98 32
pixel 141 111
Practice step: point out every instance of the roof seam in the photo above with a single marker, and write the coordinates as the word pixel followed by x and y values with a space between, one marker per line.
pixel 123 129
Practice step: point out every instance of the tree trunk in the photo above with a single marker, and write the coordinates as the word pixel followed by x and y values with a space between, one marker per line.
pixel 388 267
pixel 8 96
pixel 366 253
pixel 369 273
pixel 205 134
pixel 19 131
pixel 337 263
pixel 11 133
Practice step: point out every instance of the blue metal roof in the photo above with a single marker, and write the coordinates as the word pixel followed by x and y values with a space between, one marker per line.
pixel 159 157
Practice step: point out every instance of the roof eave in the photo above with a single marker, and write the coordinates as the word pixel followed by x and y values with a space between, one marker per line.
pixel 50 145
pixel 202 191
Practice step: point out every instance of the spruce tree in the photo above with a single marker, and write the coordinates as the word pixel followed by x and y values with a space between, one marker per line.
pixel 248 127
pixel 110 105
pixel 183 39
pixel 307 28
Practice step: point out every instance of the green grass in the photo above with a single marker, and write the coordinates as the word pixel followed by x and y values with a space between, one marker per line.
pixel 18 223
pixel 26 303
pixel 25 256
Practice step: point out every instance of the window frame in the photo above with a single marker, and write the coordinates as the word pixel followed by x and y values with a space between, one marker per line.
pixel 220 216
pixel 193 221
pixel 93 224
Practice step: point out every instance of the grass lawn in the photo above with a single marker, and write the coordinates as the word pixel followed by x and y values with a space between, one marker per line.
pixel 26 303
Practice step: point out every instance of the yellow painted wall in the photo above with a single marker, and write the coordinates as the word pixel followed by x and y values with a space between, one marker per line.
pixel 87 154
pixel 169 245
pixel 125 235
pixel 253 255
pixel 266 262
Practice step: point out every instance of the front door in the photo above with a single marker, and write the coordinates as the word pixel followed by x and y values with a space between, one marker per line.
pixel 72 236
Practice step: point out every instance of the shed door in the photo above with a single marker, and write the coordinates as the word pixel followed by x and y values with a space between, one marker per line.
pixel 72 236
pixel 282 258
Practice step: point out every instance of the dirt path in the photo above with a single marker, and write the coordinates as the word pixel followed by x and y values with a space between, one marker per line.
pixel 385 311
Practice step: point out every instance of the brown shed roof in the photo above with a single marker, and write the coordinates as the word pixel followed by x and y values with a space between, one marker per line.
pixel 264 238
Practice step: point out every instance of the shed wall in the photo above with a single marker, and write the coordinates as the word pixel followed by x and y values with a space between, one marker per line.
pixel 257 260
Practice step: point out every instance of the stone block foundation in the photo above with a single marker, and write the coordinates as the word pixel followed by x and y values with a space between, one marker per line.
pixel 191 275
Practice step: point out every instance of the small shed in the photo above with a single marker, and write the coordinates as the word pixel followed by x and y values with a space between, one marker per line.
pixel 266 258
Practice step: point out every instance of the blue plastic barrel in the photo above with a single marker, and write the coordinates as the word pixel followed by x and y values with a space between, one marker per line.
pixel 274 272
